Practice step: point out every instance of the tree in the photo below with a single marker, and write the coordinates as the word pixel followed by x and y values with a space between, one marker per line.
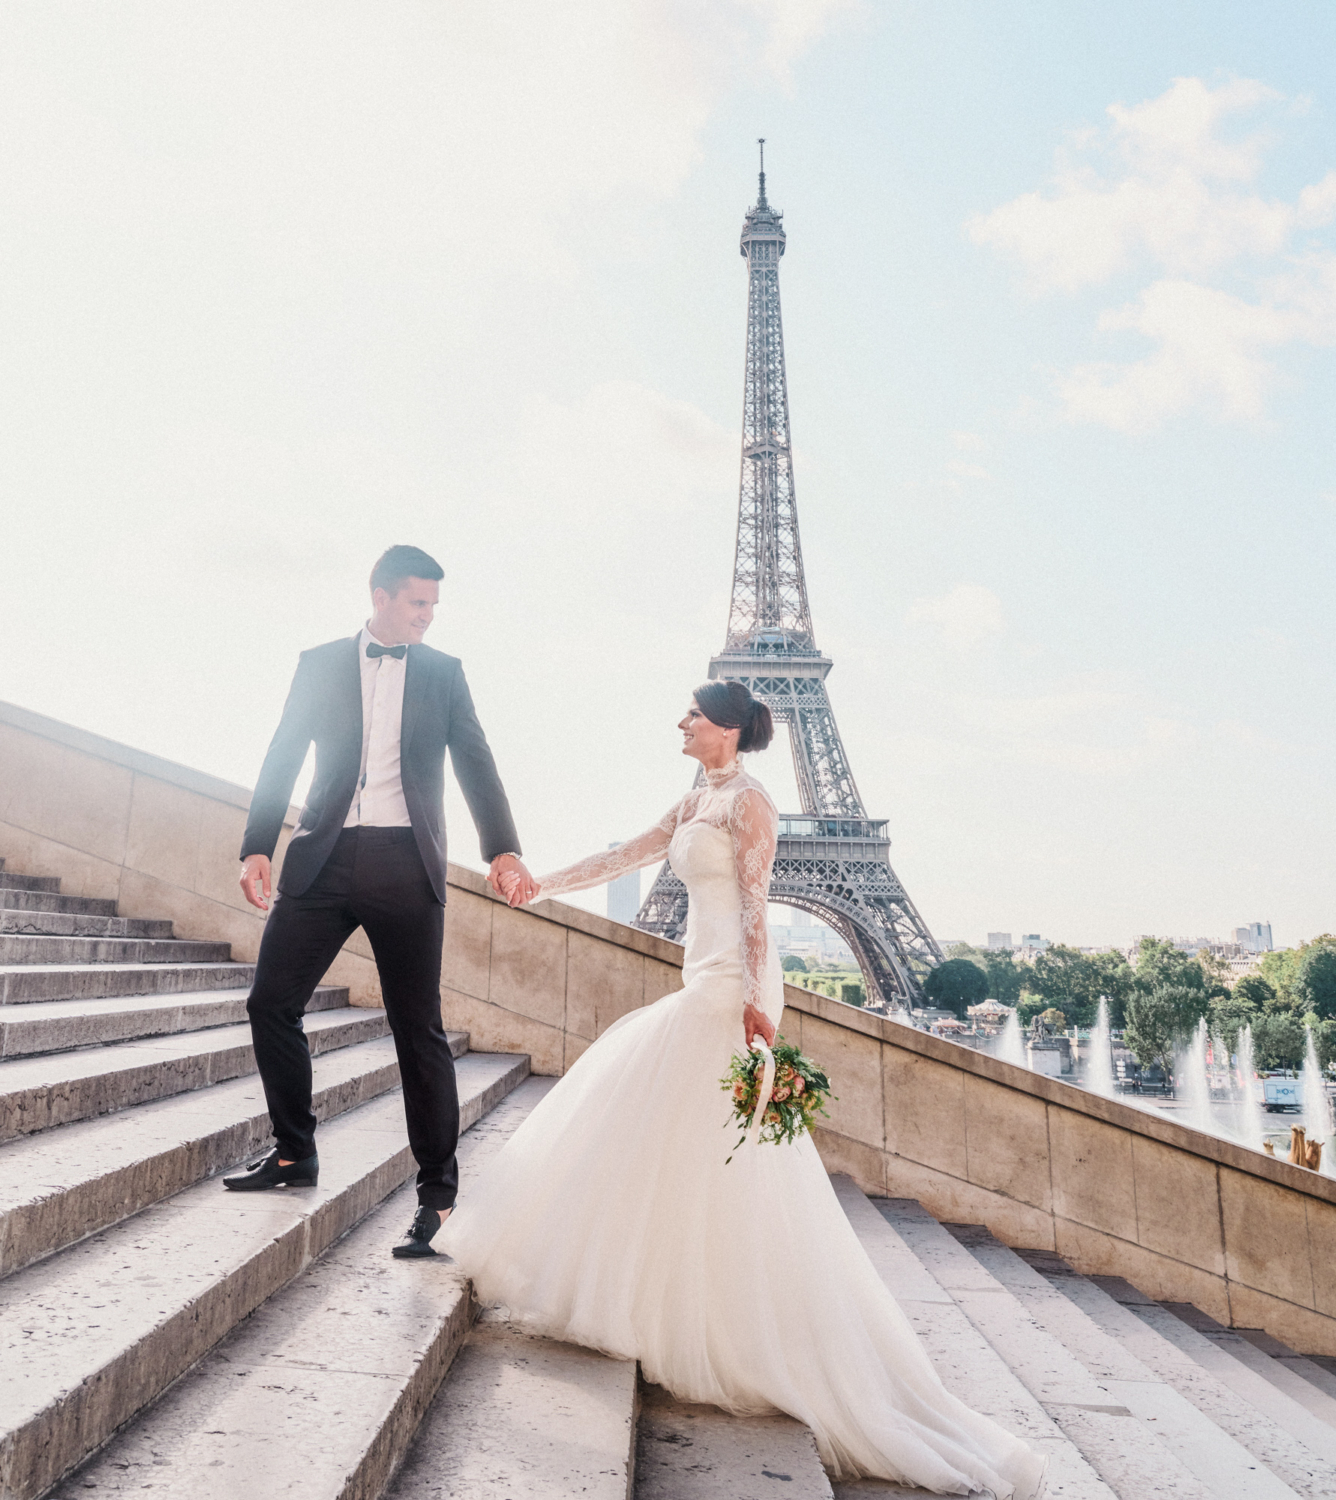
pixel 792 964
pixel 1278 1040
pixel 1074 981
pixel 1313 984
pixel 1161 1017
pixel 1231 1013
pixel 1253 990
pixel 1000 966
pixel 853 994
pixel 1004 975
pixel 1159 963
pixel 956 984
pixel 1278 970
pixel 1029 1006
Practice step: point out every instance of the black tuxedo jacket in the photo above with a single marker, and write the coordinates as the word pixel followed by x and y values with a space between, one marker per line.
pixel 325 706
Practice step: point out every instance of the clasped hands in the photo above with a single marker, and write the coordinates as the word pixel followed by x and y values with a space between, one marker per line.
pixel 511 881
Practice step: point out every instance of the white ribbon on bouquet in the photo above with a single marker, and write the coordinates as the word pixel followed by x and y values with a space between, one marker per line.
pixel 767 1084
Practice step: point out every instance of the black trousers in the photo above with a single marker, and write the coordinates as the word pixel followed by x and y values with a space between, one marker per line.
pixel 373 879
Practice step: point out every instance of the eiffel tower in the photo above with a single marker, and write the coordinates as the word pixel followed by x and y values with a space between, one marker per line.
pixel 833 860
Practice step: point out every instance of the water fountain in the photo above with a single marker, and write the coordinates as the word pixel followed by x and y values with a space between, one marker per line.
pixel 1011 1044
pixel 1194 1084
pixel 1317 1107
pixel 1099 1070
pixel 1250 1126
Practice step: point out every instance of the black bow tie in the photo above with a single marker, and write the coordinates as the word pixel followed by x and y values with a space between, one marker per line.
pixel 373 651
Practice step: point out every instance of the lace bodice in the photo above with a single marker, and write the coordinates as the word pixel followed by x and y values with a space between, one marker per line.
pixel 731 801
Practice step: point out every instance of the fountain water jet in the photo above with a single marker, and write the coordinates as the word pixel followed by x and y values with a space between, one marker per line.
pixel 1011 1045
pixel 1317 1107
pixel 1099 1070
pixel 1251 1124
pixel 1196 1083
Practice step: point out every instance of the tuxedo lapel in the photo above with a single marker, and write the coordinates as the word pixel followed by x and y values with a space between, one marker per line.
pixel 349 688
pixel 415 689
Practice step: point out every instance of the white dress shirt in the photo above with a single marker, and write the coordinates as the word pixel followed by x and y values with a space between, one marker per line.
pixel 379 799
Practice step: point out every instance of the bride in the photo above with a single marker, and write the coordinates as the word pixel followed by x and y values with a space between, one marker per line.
pixel 611 1218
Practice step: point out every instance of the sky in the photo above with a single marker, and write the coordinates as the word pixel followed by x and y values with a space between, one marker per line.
pixel 285 285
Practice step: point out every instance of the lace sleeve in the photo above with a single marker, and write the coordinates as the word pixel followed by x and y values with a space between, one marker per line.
pixel 755 828
pixel 598 869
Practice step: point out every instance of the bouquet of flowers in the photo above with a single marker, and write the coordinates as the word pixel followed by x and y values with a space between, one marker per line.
pixel 776 1095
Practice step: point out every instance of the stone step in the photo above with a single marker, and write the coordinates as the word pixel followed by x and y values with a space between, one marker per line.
pixel 1216 1457
pixel 686 1452
pixel 1296 1446
pixel 37 1093
pixel 527 1417
pixel 1313 1370
pixel 969 1366
pixel 90 1337
pixel 27 923
pixel 21 984
pixel 1136 1434
pixel 60 1185
pixel 93 906
pixel 1280 1373
pixel 24 948
pixel 29 882
pixel 343 1421
pixel 60 1025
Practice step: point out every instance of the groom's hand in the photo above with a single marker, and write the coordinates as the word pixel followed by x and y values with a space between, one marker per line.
pixel 255 880
pixel 519 888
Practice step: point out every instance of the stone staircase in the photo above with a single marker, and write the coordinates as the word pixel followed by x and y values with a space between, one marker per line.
pixel 158 1334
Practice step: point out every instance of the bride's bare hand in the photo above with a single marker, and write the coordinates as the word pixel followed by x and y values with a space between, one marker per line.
pixel 756 1023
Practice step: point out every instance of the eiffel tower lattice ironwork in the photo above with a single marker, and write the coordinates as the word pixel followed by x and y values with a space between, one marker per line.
pixel 833 860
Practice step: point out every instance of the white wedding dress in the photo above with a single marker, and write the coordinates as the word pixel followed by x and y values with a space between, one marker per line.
pixel 610 1218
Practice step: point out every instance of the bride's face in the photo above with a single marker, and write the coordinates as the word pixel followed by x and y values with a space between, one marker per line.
pixel 705 741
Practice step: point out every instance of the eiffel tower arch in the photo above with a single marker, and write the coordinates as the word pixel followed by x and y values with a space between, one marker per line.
pixel 833 861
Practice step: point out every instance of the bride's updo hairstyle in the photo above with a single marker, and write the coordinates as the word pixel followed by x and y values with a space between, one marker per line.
pixel 731 706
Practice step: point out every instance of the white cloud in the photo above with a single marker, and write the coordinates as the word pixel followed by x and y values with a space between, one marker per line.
pixel 965 615
pixel 1208 352
pixel 1165 193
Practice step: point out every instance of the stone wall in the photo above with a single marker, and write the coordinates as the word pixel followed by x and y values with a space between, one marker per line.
pixel 1115 1190
pixel 162 840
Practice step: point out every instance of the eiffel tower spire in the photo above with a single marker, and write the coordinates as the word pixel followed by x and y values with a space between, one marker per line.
pixel 833 860
pixel 769 589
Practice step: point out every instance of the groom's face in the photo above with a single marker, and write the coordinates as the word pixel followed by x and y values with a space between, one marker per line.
pixel 402 618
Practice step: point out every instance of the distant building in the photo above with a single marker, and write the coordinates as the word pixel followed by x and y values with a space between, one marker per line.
pixel 999 940
pixel 1031 942
pixel 1255 937
pixel 624 895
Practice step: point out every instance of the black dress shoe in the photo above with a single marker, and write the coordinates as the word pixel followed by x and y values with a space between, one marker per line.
pixel 267 1173
pixel 421 1231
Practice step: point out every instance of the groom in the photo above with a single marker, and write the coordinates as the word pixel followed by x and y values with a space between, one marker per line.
pixel 369 852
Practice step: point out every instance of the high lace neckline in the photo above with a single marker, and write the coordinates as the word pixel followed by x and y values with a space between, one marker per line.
pixel 723 774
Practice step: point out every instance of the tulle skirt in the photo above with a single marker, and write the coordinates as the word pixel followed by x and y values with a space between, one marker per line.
pixel 613 1219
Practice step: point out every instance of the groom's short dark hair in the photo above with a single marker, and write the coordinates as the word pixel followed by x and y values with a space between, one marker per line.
pixel 398 563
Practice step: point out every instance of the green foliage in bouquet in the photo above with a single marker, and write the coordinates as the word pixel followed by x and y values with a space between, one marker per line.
pixel 799 1094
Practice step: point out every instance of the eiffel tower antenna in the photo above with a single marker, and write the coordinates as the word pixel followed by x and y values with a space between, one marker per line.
pixel 833 860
